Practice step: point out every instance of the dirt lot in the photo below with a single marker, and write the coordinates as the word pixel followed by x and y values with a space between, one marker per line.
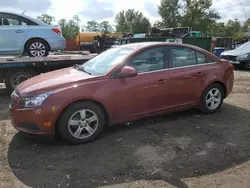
pixel 186 149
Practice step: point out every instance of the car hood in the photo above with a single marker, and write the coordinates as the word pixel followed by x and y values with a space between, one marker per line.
pixel 52 80
pixel 236 52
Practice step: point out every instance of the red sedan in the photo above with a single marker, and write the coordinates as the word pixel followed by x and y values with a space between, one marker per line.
pixel 122 84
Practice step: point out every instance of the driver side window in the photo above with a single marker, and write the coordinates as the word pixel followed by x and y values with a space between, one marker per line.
pixel 149 60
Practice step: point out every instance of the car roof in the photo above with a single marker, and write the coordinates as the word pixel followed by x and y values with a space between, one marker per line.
pixel 25 16
pixel 141 45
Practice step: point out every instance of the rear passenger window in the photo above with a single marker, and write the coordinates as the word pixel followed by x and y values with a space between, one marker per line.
pixel 182 57
pixel 210 60
pixel 201 58
pixel 13 20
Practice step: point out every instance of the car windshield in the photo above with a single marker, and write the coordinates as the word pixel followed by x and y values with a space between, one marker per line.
pixel 245 45
pixel 104 62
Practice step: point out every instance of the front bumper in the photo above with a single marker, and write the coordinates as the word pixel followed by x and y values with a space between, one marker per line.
pixel 233 60
pixel 34 121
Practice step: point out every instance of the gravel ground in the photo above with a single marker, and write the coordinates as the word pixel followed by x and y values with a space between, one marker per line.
pixel 185 149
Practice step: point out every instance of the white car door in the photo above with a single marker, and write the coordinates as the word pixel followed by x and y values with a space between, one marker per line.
pixel 13 30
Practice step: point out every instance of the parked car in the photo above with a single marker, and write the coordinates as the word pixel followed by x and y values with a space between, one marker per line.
pixel 238 56
pixel 122 84
pixel 21 34
pixel 140 35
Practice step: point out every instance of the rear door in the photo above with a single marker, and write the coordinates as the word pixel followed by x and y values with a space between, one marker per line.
pixel 13 30
pixel 187 76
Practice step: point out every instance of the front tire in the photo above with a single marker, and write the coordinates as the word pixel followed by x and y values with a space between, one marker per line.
pixel 37 48
pixel 212 99
pixel 81 122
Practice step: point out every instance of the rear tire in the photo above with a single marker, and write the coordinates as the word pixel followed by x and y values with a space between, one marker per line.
pixel 212 99
pixel 37 48
pixel 81 122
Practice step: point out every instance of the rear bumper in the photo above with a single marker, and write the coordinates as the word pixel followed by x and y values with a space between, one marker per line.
pixel 56 43
pixel 230 84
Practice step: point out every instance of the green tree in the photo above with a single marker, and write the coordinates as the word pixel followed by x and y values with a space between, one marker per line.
pixel 122 23
pixel 199 16
pixel 63 24
pixel 169 10
pixel 106 27
pixel 132 21
pixel 77 20
pixel 92 26
pixel 70 28
pixel 158 24
pixel 218 29
pixel 46 18
pixel 246 26
pixel 234 29
pixel 196 14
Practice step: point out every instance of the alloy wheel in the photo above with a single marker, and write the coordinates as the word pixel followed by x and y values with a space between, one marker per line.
pixel 213 98
pixel 83 124
pixel 37 49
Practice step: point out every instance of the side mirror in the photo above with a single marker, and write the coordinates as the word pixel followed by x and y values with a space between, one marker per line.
pixel 128 71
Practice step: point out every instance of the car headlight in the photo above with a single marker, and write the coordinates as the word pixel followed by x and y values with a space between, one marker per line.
pixel 243 57
pixel 32 102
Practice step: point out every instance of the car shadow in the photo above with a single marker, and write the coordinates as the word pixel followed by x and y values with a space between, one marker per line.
pixel 170 147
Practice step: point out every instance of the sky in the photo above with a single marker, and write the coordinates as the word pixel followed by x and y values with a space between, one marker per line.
pixel 107 9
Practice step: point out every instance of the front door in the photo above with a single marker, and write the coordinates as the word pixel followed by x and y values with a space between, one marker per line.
pixel 148 91
pixel 12 33
pixel 187 76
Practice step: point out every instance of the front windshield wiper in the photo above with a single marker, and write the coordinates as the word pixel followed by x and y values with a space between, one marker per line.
pixel 79 67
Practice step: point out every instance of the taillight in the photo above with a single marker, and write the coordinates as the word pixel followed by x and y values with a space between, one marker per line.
pixel 232 67
pixel 58 31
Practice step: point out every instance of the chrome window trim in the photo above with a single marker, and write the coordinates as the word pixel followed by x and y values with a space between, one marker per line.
pixel 196 65
pixel 161 70
pixel 177 68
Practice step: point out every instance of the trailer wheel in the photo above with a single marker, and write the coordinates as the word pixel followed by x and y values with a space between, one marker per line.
pixel 37 48
pixel 15 76
pixel 247 66
pixel 93 49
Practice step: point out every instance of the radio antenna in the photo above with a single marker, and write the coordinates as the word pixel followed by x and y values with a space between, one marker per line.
pixel 24 11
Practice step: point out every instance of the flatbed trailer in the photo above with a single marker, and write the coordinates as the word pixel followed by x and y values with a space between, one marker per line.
pixel 14 70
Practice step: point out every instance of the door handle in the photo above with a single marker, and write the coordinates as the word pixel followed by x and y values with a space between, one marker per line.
pixel 199 73
pixel 19 31
pixel 161 81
